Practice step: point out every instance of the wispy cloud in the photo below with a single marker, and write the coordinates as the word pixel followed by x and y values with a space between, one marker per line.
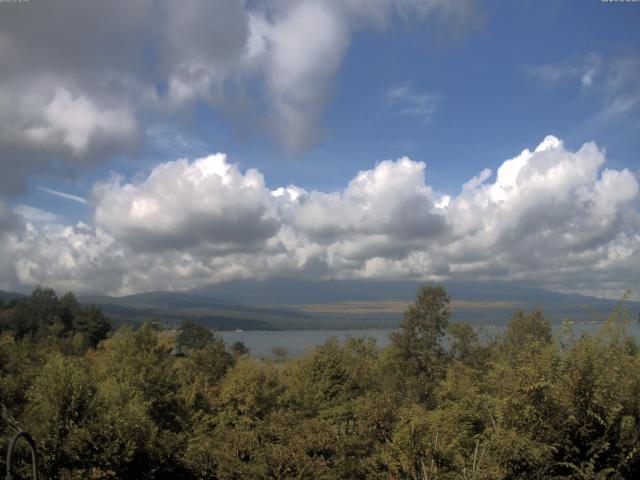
pixel 36 215
pixel 403 100
pixel 584 70
pixel 613 84
pixel 619 105
pixel 621 88
pixel 550 74
pixel 171 141
pixel 67 196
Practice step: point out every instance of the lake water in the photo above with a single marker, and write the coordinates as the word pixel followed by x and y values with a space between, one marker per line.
pixel 261 343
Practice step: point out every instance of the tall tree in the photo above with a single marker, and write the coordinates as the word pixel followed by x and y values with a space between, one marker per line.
pixel 193 335
pixel 417 345
pixel 92 323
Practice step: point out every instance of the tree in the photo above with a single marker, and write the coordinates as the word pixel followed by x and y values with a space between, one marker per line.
pixel 201 371
pixel 465 346
pixel 524 329
pixel 239 348
pixel 92 323
pixel 250 391
pixel 59 411
pixel 280 353
pixel 33 316
pixel 417 345
pixel 44 315
pixel 193 335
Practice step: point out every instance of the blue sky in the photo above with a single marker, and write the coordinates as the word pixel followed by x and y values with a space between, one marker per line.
pixel 487 107
pixel 310 94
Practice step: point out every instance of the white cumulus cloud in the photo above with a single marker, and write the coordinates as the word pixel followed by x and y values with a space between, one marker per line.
pixel 186 204
pixel 549 216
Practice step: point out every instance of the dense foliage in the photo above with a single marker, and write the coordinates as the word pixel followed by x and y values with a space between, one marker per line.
pixel 526 404
pixel 44 315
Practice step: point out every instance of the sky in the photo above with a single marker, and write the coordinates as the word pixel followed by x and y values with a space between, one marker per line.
pixel 162 145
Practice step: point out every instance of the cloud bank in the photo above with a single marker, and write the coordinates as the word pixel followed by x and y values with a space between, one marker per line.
pixel 549 216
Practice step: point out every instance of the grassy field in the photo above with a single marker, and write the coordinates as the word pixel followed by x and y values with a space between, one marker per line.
pixel 394 307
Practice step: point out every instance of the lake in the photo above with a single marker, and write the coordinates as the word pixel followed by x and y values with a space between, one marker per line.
pixel 262 342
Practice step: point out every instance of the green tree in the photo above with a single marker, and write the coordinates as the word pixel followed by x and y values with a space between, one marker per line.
pixel 280 353
pixel 239 349
pixel 92 324
pixel 249 392
pixel 524 329
pixel 417 344
pixel 192 335
pixel 59 411
pixel 44 315
pixel 39 315
pixel 200 374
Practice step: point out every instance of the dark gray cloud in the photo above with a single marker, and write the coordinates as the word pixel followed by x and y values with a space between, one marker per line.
pixel 82 79
pixel 9 222
pixel 79 76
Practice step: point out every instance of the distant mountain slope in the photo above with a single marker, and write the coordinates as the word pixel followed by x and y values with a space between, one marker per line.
pixel 288 292
pixel 159 299
pixel 8 296
pixel 305 294
pixel 172 308
pixel 295 304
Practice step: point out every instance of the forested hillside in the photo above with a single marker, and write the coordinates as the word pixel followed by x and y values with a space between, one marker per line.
pixel 129 404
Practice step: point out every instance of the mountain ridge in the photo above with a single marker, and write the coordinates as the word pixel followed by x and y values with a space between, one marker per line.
pixel 338 304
